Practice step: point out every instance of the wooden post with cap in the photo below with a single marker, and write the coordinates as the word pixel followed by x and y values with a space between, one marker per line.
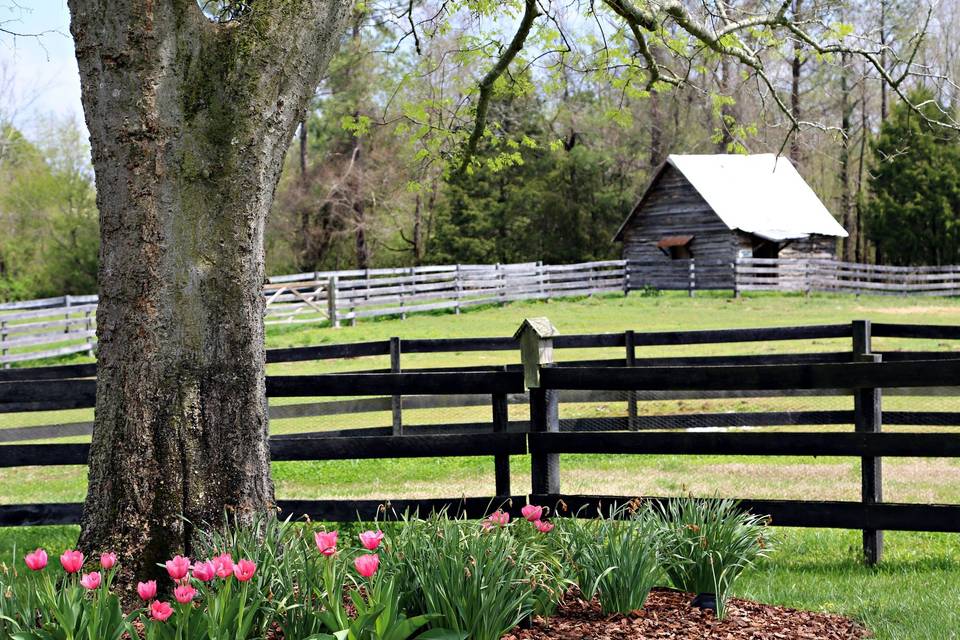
pixel 535 336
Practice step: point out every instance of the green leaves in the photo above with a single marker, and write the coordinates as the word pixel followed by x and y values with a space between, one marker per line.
pixel 705 544
pixel 914 217
pixel 615 560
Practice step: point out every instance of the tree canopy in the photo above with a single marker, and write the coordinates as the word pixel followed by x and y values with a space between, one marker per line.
pixel 915 213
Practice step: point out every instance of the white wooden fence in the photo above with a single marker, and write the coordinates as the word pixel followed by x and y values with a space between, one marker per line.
pixel 833 276
pixel 35 329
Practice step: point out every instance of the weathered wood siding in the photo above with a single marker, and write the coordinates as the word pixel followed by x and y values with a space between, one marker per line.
pixel 673 207
pixel 820 247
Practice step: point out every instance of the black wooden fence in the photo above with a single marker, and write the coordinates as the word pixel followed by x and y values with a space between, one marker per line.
pixel 859 372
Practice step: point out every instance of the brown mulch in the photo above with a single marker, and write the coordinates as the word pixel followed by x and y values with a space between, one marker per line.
pixel 668 615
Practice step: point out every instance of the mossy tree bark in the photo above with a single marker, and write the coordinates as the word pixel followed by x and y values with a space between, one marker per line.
pixel 189 120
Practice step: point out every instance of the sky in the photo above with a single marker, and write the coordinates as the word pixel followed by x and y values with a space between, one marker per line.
pixel 40 73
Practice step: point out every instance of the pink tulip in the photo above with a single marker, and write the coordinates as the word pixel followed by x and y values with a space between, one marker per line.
pixel 72 561
pixel 367 564
pixel 487 525
pixel 184 593
pixel 543 526
pixel 326 542
pixel 90 580
pixel 108 560
pixel 147 590
pixel 160 611
pixel 532 512
pixel 204 571
pixel 178 567
pixel 244 570
pixel 223 565
pixel 371 540
pixel 36 560
pixel 499 517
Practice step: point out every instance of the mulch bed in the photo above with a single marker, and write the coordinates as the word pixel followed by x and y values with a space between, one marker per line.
pixel 668 615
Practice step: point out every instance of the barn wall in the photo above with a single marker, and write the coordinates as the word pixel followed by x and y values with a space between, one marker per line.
pixel 823 247
pixel 673 207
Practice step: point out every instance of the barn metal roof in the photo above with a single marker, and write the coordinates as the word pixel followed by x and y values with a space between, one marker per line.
pixel 760 194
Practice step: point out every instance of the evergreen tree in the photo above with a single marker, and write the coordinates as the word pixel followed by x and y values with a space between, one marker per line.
pixel 915 182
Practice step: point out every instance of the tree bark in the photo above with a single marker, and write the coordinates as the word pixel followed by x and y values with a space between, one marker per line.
pixel 189 120
pixel 795 71
pixel 846 199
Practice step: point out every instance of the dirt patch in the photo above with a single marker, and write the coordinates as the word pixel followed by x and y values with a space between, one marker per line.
pixel 668 615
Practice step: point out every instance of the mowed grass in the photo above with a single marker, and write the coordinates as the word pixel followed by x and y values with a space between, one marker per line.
pixel 913 594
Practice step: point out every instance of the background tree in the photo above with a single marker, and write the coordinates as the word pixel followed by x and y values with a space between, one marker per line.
pixel 915 215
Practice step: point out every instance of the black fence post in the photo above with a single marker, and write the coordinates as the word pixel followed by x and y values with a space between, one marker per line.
pixel 396 402
pixel 501 462
pixel 544 467
pixel 868 418
pixel 630 340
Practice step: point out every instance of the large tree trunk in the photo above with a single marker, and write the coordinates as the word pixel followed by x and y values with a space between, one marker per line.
pixel 846 198
pixel 189 121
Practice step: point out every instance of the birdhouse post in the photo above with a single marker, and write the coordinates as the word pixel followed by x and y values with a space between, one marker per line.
pixel 536 350
pixel 535 336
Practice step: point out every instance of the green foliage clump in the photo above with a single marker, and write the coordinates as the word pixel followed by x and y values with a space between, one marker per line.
pixel 48 214
pixel 915 180
pixel 706 544
pixel 615 559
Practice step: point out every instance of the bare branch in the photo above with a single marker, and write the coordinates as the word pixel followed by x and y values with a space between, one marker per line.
pixel 530 13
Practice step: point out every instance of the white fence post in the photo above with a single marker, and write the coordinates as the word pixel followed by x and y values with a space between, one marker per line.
pixel 66 316
pixel 88 315
pixel 332 302
pixel 3 338
pixel 458 289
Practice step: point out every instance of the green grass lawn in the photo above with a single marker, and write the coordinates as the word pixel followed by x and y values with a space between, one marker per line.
pixel 913 594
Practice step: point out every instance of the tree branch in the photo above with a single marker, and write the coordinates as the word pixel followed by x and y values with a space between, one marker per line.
pixel 530 13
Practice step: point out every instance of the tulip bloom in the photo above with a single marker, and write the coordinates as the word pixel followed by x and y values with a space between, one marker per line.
pixel 532 512
pixel 37 560
pixel 72 561
pixel 223 565
pixel 499 517
pixel 371 540
pixel 244 570
pixel 90 580
pixel 367 564
pixel 204 571
pixel 160 611
pixel 543 526
pixel 326 542
pixel 178 567
pixel 147 590
pixel 108 560
pixel 184 593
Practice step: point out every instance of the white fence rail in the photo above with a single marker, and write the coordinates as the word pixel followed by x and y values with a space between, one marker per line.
pixel 36 329
pixel 833 276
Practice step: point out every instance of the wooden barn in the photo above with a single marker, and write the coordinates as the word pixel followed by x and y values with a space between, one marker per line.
pixel 713 209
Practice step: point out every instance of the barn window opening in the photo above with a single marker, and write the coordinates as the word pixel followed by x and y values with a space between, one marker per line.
pixel 676 247
pixel 763 248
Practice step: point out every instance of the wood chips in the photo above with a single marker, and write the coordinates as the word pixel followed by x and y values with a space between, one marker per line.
pixel 668 615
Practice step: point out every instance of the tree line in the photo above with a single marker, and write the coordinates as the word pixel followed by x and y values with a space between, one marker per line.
pixel 565 156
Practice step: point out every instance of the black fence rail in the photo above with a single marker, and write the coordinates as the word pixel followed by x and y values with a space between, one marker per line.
pixel 859 372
